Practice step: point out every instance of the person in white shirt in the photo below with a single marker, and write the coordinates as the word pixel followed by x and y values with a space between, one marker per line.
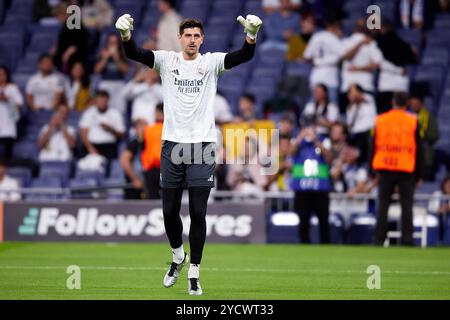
pixel 189 81
pixel 325 52
pixel 11 100
pixel 222 110
pixel 145 91
pixel 8 185
pixel 245 175
pixel 397 55
pixel 270 6
pixel 441 206
pixel 101 127
pixel 45 89
pixel 362 57
pixel 166 37
pixel 57 139
pixel 360 118
pixel 325 112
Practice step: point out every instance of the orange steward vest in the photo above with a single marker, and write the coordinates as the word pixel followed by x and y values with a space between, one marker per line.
pixel 395 141
pixel 151 155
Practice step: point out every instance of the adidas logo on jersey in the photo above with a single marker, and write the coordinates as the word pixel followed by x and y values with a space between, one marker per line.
pixel 176 72
pixel 211 178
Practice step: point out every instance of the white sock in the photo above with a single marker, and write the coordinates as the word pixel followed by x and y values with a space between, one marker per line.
pixel 178 254
pixel 194 271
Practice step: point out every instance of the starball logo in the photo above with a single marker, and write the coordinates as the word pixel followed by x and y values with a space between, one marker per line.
pixel 90 222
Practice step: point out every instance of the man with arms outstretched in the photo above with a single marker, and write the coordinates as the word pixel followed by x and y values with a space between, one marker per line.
pixel 189 81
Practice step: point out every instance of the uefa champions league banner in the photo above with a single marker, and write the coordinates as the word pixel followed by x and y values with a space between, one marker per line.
pixel 140 221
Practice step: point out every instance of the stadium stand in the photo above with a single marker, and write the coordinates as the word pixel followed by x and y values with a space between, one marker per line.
pixel 22 41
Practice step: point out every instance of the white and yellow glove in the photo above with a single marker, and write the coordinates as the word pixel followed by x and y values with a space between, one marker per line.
pixel 251 25
pixel 124 25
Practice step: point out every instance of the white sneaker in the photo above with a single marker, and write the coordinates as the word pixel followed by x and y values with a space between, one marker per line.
pixel 172 274
pixel 194 287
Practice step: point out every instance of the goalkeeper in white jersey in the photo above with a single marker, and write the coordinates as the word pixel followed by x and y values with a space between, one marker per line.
pixel 189 81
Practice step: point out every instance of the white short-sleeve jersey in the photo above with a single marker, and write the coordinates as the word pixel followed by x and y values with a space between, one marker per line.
pixel 189 90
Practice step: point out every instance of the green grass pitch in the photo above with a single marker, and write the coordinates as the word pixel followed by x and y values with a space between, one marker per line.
pixel 228 271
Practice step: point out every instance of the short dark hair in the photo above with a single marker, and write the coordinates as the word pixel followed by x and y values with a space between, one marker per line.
pixel 191 23
pixel 249 96
pixel 171 3
pixel 44 56
pixel 102 93
pixel 8 73
pixel 400 99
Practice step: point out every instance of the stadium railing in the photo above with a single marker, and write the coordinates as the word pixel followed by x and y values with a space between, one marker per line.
pixel 279 201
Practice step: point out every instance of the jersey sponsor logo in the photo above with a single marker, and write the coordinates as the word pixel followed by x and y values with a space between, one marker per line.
pixel 188 86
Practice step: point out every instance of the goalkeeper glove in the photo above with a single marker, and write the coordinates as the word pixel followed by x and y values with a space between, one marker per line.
pixel 251 25
pixel 124 24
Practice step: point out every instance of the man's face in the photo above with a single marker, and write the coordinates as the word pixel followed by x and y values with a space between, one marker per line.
pixel 101 103
pixel 46 65
pixel 353 95
pixel 319 93
pixel 337 133
pixel 246 106
pixel 286 127
pixel 415 104
pixel 191 40
pixel 63 112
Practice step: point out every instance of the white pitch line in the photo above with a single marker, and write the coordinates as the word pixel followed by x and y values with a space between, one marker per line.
pixel 444 273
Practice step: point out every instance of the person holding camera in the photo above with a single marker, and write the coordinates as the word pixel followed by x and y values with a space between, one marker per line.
pixel 311 181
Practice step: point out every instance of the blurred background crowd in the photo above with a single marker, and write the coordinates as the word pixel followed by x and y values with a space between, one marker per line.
pixel 68 95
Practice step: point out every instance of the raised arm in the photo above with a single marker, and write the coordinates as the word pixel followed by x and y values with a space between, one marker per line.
pixel 251 26
pixel 124 25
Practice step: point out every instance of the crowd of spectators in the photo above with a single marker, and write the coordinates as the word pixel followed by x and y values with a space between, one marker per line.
pixel 352 79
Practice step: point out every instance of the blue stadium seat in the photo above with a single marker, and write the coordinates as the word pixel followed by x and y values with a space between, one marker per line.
pixel 283 227
pixel 413 37
pixel 114 194
pixel 78 183
pixel 21 80
pixel 447 231
pixel 94 175
pixel 45 182
pixel 116 170
pixel 23 174
pixel 361 229
pixel 60 169
pixel 41 117
pixel 200 13
pixel 254 7
pixel 26 150
pixel 298 69
pixel 83 183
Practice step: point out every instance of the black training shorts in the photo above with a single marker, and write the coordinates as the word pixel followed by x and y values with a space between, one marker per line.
pixel 187 164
